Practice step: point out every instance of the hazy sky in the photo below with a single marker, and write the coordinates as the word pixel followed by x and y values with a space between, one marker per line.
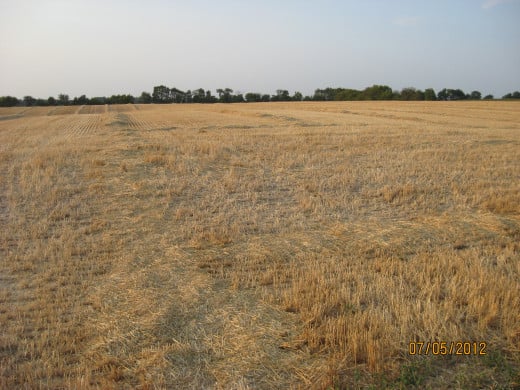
pixel 109 47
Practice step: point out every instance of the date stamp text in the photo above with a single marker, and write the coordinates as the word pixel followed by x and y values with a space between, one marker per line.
pixel 443 348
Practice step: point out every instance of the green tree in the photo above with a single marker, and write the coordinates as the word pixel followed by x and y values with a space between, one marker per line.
pixel 297 97
pixel 63 99
pixel 209 97
pixel 41 102
pixel 347 94
pixel 177 96
pixel 198 96
pixel 429 94
pixel 488 97
pixel 442 94
pixel 51 101
pixel 8 101
pixel 253 97
pixel 161 94
pixel 80 101
pixel 282 95
pixel 98 100
pixel 325 94
pixel 120 99
pixel 145 98
pixel 411 93
pixel 28 101
pixel 188 97
pixel 451 94
pixel 225 95
pixel 239 98
pixel 377 92
pixel 512 95
pixel 475 95
pixel 457 94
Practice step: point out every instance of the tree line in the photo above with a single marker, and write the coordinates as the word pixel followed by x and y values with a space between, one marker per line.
pixel 163 95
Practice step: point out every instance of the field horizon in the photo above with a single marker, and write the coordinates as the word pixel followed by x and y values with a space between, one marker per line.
pixel 260 245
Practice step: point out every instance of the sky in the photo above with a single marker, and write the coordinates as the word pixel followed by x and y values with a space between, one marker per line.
pixel 106 47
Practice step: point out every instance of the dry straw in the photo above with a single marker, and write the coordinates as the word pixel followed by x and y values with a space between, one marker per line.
pixel 259 245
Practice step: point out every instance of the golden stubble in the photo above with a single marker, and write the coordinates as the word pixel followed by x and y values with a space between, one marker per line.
pixel 258 245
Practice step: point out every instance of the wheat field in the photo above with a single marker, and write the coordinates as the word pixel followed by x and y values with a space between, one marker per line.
pixel 259 246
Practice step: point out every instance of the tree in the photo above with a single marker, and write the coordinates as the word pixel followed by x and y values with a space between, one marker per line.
pixel 475 95
pixel 451 94
pixel 225 95
pixel 199 96
pixel 377 92
pixel 63 99
pixel 80 101
pixel 324 94
pixel 457 94
pixel 41 102
pixel 177 96
pixel 282 95
pixel 28 101
pixel 411 93
pixel 145 98
pixel 429 94
pixel 209 97
pixel 347 94
pixel 443 94
pixel 297 97
pixel 253 97
pixel 8 101
pixel 161 94
pixel 239 98
pixel 188 96
pixel 120 99
pixel 513 95
pixel 98 100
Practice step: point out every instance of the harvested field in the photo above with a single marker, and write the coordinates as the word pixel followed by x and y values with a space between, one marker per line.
pixel 92 110
pixel 65 110
pixel 9 111
pixel 39 111
pixel 268 245
pixel 121 108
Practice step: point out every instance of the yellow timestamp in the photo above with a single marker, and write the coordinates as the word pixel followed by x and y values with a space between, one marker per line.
pixel 443 348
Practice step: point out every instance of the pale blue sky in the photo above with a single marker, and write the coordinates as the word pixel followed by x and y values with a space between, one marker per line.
pixel 105 47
